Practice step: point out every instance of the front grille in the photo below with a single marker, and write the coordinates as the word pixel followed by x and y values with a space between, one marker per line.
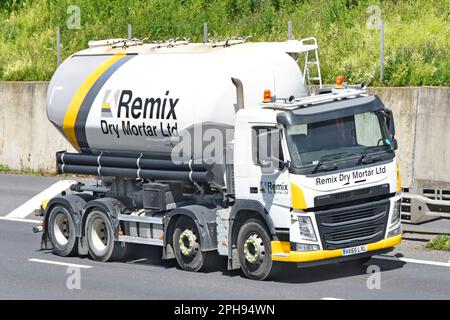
pixel 353 195
pixel 353 226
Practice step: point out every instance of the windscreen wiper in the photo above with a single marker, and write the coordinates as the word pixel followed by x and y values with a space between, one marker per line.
pixel 365 155
pixel 326 158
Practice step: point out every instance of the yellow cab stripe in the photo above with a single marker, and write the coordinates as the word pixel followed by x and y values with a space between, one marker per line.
pixel 281 251
pixel 74 106
pixel 298 199
pixel 399 179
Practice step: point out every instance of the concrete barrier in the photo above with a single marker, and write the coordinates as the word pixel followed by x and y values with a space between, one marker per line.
pixel 29 141
pixel 422 117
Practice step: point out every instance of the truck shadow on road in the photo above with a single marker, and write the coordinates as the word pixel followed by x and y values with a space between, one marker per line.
pixel 292 274
pixel 289 273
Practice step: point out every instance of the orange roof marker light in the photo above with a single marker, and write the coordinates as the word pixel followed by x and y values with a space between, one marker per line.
pixel 267 96
pixel 340 82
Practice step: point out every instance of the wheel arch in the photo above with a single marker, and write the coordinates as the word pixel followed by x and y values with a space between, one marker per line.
pixel 75 203
pixel 242 211
pixel 205 220
pixel 112 207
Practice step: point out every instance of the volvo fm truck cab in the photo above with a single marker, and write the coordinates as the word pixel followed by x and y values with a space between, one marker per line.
pixel 220 148
pixel 329 180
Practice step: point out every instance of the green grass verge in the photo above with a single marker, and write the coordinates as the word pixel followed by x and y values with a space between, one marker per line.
pixel 417 33
pixel 4 168
pixel 441 242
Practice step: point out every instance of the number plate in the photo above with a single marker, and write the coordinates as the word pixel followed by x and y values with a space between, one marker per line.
pixel 354 250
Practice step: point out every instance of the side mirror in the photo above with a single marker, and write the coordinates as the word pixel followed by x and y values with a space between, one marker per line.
pixel 285 164
pixel 264 163
pixel 389 118
pixel 394 144
pixel 275 162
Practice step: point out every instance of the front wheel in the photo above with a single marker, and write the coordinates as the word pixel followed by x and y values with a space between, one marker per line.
pixel 187 245
pixel 255 251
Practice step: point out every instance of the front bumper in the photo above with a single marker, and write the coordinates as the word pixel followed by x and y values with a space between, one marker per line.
pixel 281 251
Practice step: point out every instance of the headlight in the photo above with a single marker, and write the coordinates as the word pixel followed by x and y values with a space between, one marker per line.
pixel 306 229
pixel 396 213
pixel 395 232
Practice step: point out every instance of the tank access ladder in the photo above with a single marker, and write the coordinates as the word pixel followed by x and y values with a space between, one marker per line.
pixel 310 44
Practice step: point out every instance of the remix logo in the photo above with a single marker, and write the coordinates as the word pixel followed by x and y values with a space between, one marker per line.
pixel 129 109
pixel 106 104
pixel 273 188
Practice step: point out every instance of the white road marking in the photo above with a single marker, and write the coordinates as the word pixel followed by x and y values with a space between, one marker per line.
pixel 20 220
pixel 417 261
pixel 330 298
pixel 81 266
pixel 137 260
pixel 35 202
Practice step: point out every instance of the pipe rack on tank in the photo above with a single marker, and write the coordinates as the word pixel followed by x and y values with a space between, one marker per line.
pixel 132 167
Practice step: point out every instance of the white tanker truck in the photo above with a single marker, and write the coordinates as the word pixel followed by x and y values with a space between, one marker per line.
pixel 207 149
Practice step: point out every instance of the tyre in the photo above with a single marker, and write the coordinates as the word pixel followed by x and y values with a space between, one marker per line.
pixel 187 245
pixel 101 238
pixel 255 252
pixel 61 231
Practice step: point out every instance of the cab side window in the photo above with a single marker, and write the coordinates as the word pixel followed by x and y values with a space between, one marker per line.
pixel 266 147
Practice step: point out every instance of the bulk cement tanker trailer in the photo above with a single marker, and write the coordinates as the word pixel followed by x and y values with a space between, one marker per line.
pixel 207 149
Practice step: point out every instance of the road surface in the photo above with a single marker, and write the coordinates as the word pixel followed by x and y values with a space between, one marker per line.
pixel 26 272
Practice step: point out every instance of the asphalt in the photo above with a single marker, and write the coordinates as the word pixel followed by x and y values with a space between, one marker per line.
pixel 145 276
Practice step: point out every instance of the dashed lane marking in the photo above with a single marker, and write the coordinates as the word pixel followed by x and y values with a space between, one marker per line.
pixel 20 220
pixel 58 263
pixel 417 261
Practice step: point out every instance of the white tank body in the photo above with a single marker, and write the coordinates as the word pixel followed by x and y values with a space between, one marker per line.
pixel 139 99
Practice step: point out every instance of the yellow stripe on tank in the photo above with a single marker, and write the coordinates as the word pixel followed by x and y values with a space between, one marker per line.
pixel 74 106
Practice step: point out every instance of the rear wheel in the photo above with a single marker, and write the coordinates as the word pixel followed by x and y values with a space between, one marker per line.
pixel 187 245
pixel 101 238
pixel 255 252
pixel 61 231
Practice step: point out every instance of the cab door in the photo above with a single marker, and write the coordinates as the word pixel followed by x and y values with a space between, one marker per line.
pixel 268 177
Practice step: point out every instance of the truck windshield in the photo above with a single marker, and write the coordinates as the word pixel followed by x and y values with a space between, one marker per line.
pixel 359 135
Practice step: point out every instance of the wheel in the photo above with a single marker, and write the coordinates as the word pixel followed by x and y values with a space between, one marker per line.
pixel 255 252
pixel 61 231
pixel 101 238
pixel 187 245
